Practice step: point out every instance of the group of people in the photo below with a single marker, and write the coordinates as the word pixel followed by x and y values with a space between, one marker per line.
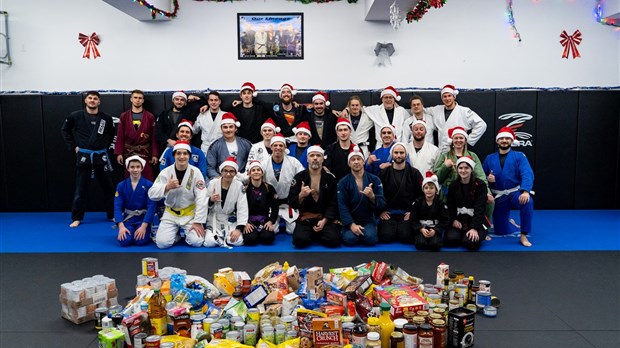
pixel 362 175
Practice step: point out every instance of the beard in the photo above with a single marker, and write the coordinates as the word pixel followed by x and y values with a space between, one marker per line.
pixel 418 138
pixel 315 165
pixel 504 147
pixel 399 160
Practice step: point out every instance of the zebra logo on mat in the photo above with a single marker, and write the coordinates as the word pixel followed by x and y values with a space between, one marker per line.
pixel 516 121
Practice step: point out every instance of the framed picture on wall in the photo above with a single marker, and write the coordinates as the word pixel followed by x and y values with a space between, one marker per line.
pixel 270 35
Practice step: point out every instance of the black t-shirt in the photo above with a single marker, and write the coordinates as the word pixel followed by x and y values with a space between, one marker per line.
pixel 180 174
pixel 390 115
pixel 447 113
pixel 502 159
pixel 355 121
pixel 300 150
pixel 213 115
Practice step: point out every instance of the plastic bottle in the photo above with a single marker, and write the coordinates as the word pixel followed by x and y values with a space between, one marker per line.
pixel 157 309
pixel 386 324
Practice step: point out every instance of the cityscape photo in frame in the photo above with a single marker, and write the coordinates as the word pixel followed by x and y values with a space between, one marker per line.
pixel 270 35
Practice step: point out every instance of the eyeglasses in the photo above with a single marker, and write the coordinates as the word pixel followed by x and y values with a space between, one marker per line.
pixel 228 171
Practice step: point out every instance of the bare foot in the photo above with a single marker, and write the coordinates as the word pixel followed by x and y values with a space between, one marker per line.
pixel 524 241
pixel 75 224
pixel 488 237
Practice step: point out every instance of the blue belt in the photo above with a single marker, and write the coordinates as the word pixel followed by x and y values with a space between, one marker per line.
pixel 92 154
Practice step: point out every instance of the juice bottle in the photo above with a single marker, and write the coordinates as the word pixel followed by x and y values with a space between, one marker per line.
pixel 157 309
pixel 386 324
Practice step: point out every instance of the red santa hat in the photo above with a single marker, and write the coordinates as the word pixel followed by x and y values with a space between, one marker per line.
pixel 270 124
pixel 355 150
pixel 229 162
pixel 466 159
pixel 182 145
pixel 289 87
pixel 185 123
pixel 422 122
pixel 316 148
pixel 389 90
pixel 229 118
pixel 432 178
pixel 303 127
pixel 250 86
pixel 279 138
pixel 254 164
pixel 321 96
pixel 505 132
pixel 456 130
pixel 343 122
pixel 179 94
pixel 134 158
pixel 450 89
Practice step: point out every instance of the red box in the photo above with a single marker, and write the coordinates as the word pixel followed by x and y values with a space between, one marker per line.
pixel 401 298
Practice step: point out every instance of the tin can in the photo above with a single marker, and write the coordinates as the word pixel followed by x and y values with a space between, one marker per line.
pixel 249 335
pixel 483 299
pixel 216 331
pixel 288 320
pixel 153 341
pixel 495 302
pixel 434 298
pixel 280 335
pixel 253 314
pixel 461 325
pixel 453 304
pixel 292 334
pixel 484 285
pixel 460 298
pixel 150 265
pixel 233 336
pixel 167 345
pixel 239 328
pixel 100 313
pixel 206 325
pixel 196 324
pixel 347 330
pixel 268 334
pixel 139 340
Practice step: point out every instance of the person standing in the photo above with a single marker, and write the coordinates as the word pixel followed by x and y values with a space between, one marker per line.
pixel 89 133
pixel 388 112
pixel 209 120
pixel 322 121
pixel 337 153
pixel 135 135
pixel 511 180
pixel 168 121
pixel 251 115
pixel 418 114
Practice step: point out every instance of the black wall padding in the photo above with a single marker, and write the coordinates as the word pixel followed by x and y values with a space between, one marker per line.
pixel 22 130
pixel 575 140
pixel 597 143
pixel 556 148
pixel 516 107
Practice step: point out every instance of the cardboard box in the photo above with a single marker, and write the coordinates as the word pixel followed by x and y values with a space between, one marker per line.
pixel 98 298
pixel 134 325
pixel 326 331
pixel 401 298
pixel 443 272
pixel 223 283
pixel 314 282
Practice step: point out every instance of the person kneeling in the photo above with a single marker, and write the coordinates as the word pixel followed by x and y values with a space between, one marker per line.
pixel 133 210
pixel 467 199
pixel 429 216
pixel 183 187
pixel 228 208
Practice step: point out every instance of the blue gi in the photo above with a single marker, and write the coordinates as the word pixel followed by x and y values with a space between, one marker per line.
pixel 197 159
pixel 128 202
pixel 303 159
pixel 384 155
pixel 513 178
pixel 356 207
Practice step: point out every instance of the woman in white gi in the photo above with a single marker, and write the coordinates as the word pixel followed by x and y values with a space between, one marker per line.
pixel 228 208
pixel 183 187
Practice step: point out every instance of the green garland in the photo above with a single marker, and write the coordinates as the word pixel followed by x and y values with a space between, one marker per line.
pixel 421 8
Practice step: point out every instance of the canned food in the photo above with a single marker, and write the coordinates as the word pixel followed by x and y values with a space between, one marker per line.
pixel 100 313
pixel 484 285
pixel 167 345
pixel 483 299
pixel 153 341
pixel 150 265
pixel 139 340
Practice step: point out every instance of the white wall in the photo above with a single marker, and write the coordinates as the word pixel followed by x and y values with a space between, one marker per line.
pixel 467 43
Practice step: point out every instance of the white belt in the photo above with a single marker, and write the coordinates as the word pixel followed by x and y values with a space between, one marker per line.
pixel 499 193
pixel 430 223
pixel 465 211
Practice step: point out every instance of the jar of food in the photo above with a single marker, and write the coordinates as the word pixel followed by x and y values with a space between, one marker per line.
pixel 358 340
pixel 410 332
pixel 440 337
pixel 397 340
pixel 425 336
pixel 374 325
pixel 373 340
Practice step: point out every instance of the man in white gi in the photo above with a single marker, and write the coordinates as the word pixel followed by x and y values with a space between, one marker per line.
pixel 451 114
pixel 388 113
pixel 422 154
pixel 208 122
pixel 280 170
pixel 183 187
pixel 417 113
pixel 262 149
pixel 226 146
pixel 228 208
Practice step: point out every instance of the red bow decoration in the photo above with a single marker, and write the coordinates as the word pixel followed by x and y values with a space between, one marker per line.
pixel 90 44
pixel 570 43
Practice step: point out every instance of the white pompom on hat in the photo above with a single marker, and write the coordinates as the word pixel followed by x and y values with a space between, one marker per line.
pixel 250 86
pixel 303 127
pixel 450 89
pixel 270 124
pixel 389 90
pixel 134 158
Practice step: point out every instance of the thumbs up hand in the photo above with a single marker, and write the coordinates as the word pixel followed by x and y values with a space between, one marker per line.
pixel 368 192
pixel 172 183
pixel 491 178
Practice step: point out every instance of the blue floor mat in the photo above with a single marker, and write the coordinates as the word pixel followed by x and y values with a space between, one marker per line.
pixel 554 230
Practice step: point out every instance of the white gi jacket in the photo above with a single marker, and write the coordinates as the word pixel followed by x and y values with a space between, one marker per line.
pixel 361 135
pixel 192 191
pixel 290 167
pixel 378 115
pixel 430 127
pixel 258 152
pixel 460 116
pixel 219 221
pixel 208 128
pixel 424 160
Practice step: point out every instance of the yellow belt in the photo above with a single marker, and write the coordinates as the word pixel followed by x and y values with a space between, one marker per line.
pixel 182 212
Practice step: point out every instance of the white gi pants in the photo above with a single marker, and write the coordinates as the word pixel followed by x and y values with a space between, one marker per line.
pixel 169 227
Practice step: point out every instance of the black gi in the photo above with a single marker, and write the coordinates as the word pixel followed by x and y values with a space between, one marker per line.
pixel 263 206
pixel 433 216
pixel 472 196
